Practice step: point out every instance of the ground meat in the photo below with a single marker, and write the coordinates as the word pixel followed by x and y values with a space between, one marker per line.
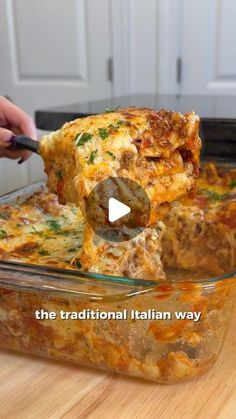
pixel 127 159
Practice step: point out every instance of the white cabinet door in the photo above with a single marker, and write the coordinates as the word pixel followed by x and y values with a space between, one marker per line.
pixel 51 53
pixel 208 46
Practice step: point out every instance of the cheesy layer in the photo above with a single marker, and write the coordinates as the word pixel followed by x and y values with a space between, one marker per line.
pixel 158 150
pixel 201 231
pixel 198 234
pixel 41 231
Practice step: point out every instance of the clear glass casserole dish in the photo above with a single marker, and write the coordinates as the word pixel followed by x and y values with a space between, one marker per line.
pixel 114 323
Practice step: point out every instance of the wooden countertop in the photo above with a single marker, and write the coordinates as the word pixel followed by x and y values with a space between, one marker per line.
pixel 36 388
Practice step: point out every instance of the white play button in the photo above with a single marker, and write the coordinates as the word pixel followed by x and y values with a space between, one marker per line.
pixel 117 210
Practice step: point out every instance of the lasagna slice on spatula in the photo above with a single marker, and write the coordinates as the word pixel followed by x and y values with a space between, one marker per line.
pixel 157 150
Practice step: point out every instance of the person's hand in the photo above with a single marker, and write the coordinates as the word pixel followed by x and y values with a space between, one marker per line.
pixel 14 121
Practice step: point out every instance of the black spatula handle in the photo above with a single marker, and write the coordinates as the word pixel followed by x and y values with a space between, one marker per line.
pixel 21 141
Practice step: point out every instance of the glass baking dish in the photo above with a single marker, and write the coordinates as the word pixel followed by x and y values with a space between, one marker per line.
pixel 120 324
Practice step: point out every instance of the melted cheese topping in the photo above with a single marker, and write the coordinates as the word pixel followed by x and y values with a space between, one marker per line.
pixel 43 232
pixel 158 150
pixel 201 231
pixel 40 231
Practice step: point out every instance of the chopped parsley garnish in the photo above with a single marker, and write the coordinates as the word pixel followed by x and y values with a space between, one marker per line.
pixel 82 138
pixel 232 183
pixel 111 154
pixel 43 252
pixel 54 225
pixel 73 249
pixel 103 133
pixel 119 124
pixel 109 110
pixel 18 225
pixel 39 233
pixel 92 156
pixel 78 264
pixel 3 234
pixel 59 174
pixel 214 196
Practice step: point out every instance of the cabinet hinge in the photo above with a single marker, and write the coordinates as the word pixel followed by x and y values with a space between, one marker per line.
pixel 110 69
pixel 179 70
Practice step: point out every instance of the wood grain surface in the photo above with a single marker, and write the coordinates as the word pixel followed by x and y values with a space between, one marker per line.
pixel 32 388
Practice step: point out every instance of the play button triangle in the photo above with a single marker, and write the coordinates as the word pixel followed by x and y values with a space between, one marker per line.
pixel 117 210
